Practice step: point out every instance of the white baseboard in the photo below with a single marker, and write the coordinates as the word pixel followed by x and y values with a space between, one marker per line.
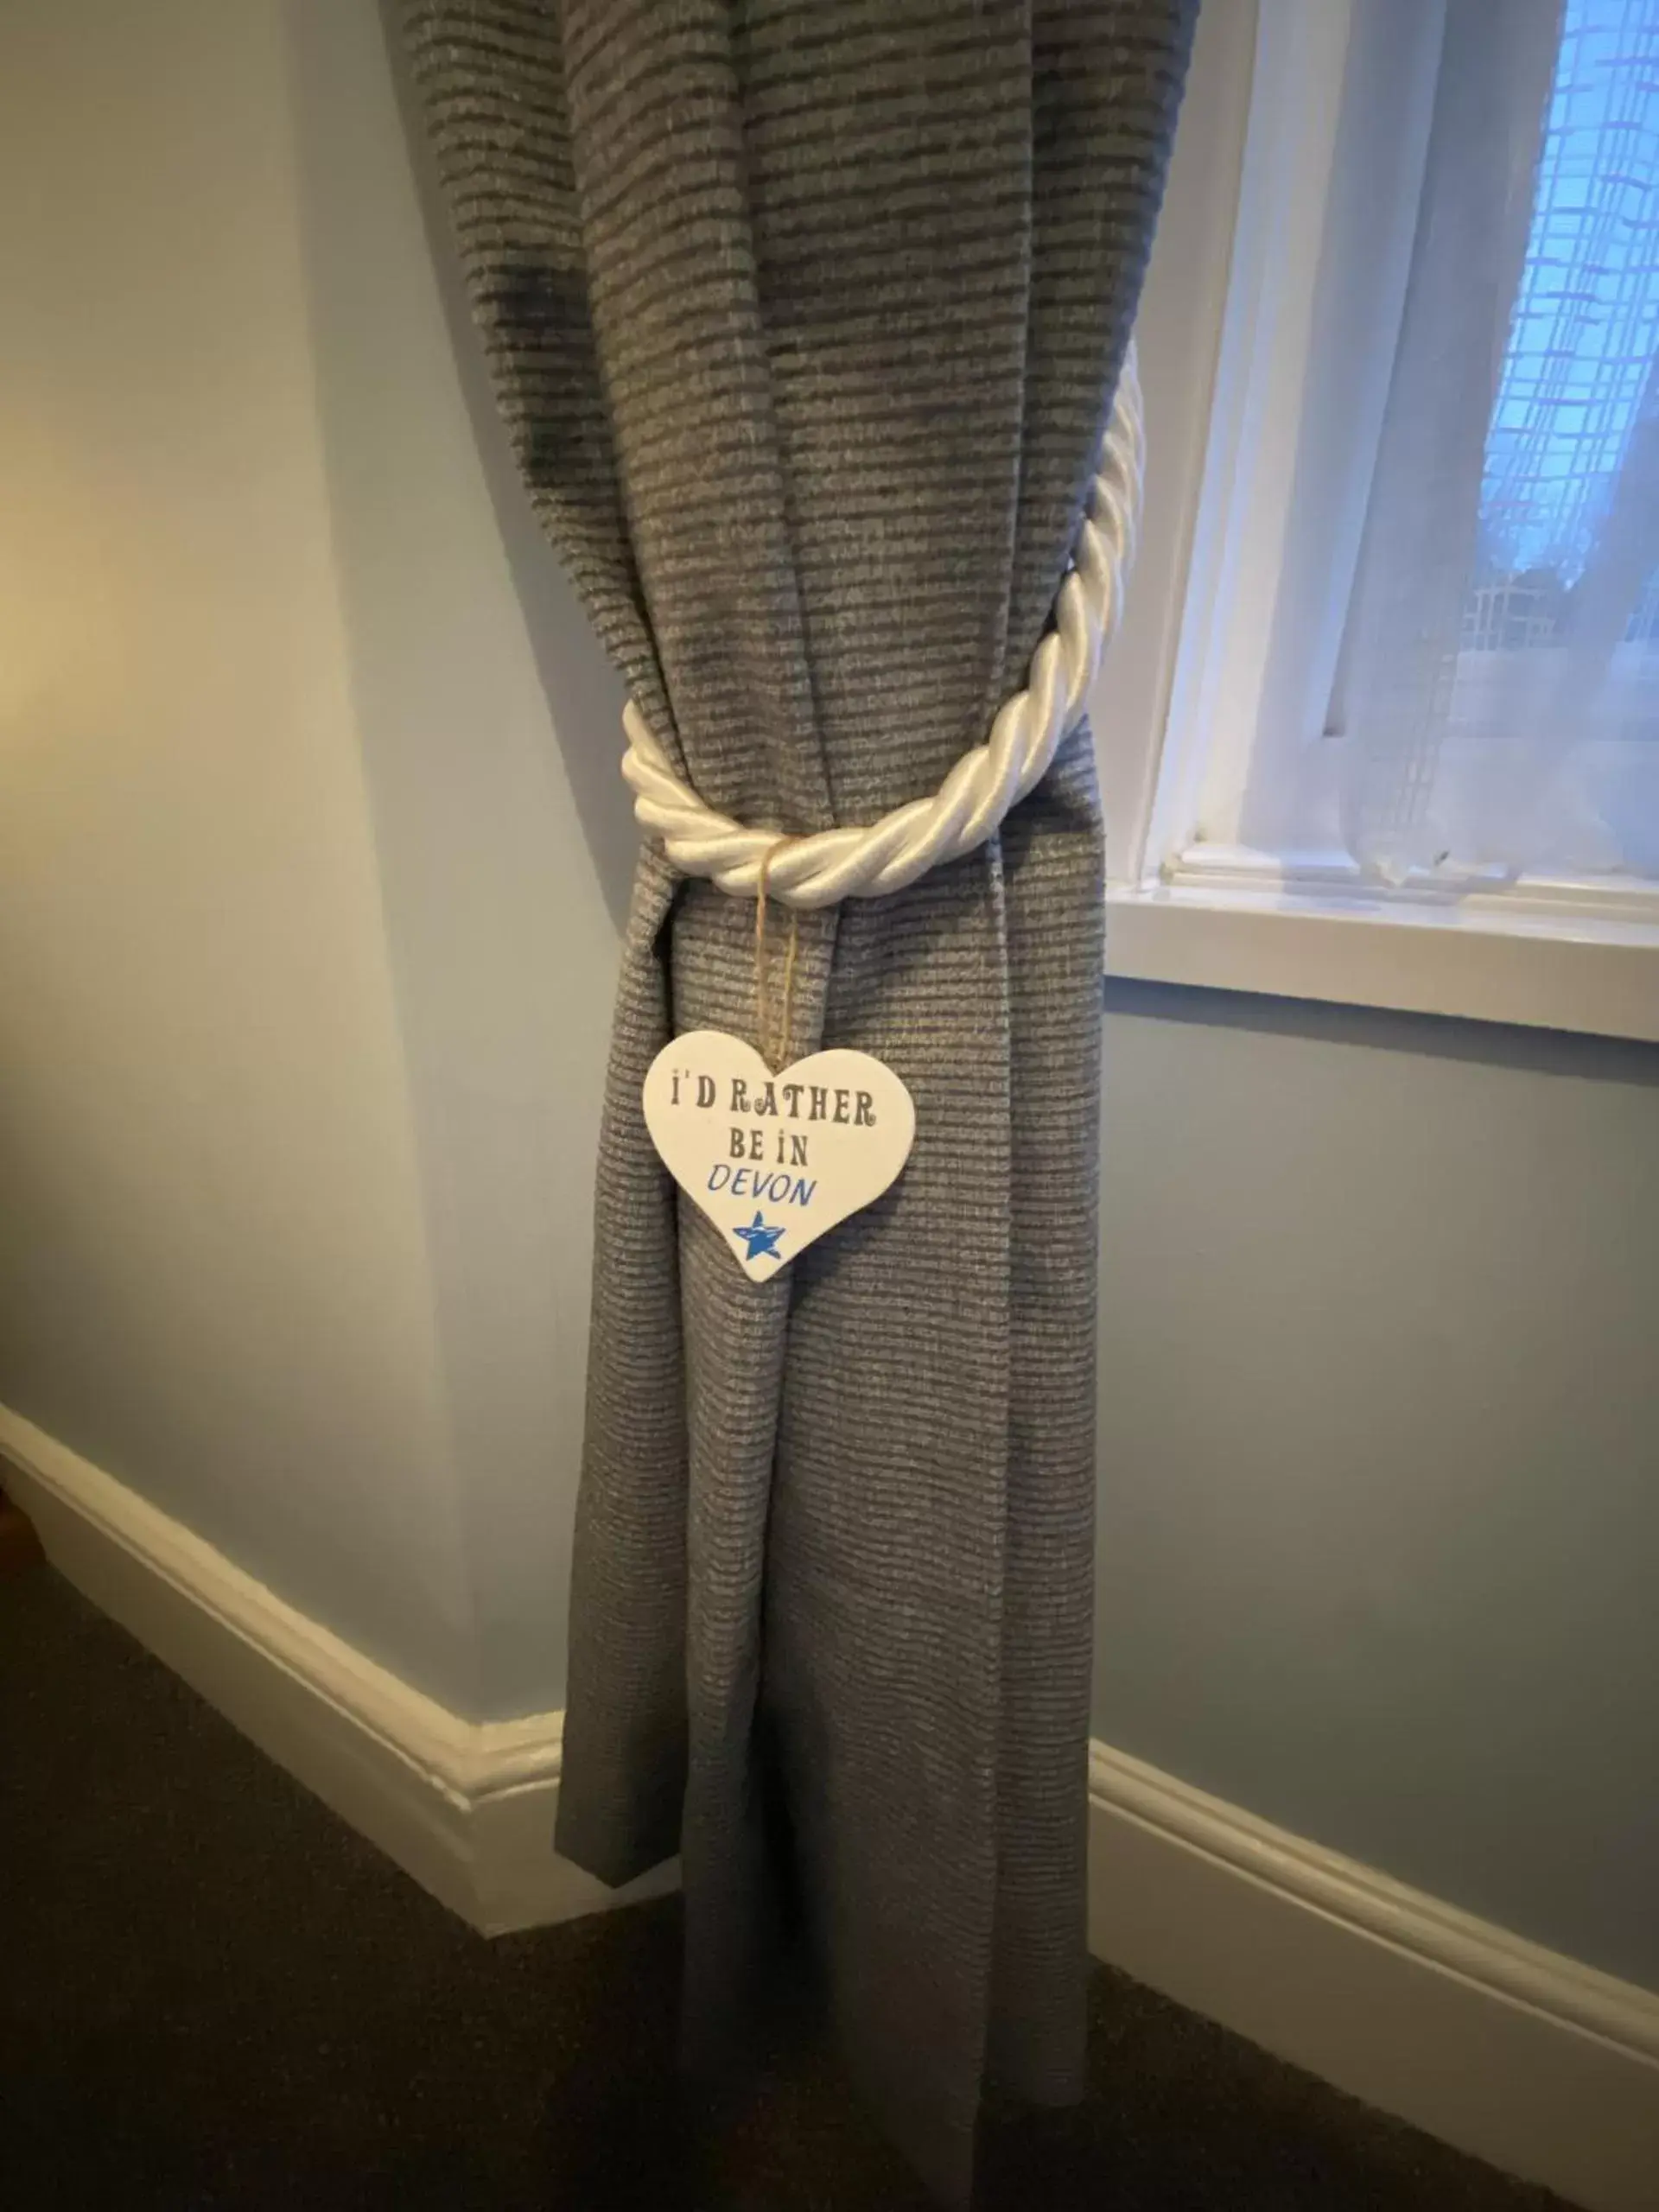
pixel 465 1807
pixel 1545 2067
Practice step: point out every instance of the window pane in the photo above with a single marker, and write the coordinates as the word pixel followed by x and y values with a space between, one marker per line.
pixel 1586 326
pixel 1501 695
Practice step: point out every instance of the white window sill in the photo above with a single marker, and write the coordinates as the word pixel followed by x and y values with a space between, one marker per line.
pixel 1552 956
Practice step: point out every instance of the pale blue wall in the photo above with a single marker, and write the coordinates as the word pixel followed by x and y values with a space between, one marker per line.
pixel 312 847
pixel 1379 1504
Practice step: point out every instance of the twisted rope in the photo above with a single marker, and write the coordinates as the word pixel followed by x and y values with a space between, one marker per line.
pixel 864 863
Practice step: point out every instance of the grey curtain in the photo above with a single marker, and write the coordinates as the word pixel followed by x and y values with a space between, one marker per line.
pixel 805 315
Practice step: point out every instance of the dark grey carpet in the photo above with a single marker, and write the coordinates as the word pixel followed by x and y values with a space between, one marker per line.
pixel 211 1994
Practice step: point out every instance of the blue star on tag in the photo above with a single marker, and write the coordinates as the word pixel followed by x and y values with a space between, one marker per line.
pixel 760 1239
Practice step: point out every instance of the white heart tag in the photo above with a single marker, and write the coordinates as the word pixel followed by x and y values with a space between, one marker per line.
pixel 775 1160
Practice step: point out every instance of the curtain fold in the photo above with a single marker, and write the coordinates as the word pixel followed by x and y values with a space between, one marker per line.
pixel 805 319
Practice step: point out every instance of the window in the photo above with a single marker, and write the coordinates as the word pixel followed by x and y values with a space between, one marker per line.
pixel 1403 742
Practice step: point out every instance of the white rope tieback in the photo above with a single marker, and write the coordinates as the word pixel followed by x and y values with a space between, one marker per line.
pixel 830 865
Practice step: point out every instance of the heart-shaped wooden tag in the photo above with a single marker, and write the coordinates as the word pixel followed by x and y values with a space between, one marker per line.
pixel 775 1160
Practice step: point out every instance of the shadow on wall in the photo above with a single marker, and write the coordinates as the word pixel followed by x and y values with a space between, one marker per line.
pixel 490 732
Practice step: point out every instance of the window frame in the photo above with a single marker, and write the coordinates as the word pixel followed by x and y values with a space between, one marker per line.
pixel 1266 337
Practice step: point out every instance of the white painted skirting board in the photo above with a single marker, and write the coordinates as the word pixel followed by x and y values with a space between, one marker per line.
pixel 1545 2067
pixel 1542 2065
pixel 465 1807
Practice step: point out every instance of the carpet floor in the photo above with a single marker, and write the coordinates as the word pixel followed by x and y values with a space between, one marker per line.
pixel 212 1994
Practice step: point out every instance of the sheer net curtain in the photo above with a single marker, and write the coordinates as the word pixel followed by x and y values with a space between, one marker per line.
pixel 1499 699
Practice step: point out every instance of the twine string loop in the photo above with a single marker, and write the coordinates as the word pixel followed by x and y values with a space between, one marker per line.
pixel 774 1047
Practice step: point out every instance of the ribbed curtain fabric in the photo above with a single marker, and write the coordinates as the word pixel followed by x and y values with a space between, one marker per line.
pixel 805 317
